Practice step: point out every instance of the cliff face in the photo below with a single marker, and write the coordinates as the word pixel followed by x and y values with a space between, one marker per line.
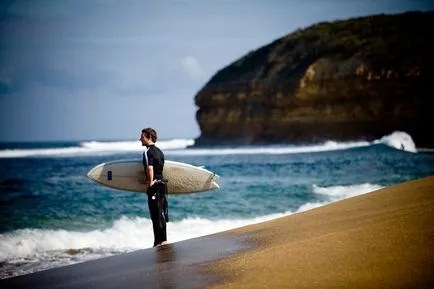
pixel 346 80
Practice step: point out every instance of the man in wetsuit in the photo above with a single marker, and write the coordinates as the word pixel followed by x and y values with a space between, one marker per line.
pixel 153 161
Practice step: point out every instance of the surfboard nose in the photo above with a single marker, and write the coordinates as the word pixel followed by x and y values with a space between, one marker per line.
pixel 96 169
pixel 95 172
pixel 90 174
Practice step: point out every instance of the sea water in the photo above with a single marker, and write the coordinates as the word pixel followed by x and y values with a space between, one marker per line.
pixel 53 215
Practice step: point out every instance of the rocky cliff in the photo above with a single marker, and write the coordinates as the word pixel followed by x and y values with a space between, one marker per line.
pixel 356 79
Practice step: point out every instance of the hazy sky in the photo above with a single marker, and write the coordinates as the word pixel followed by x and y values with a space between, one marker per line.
pixel 105 69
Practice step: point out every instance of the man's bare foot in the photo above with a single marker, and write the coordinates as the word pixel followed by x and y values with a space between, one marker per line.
pixel 162 243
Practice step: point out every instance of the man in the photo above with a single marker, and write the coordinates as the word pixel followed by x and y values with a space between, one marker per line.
pixel 153 161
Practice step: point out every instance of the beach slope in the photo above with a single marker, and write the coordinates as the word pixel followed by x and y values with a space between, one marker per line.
pixel 384 239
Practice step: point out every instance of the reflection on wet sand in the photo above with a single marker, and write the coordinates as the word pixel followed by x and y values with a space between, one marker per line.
pixel 165 255
pixel 177 265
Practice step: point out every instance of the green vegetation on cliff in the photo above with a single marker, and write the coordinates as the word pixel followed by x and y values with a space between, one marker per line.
pixel 345 80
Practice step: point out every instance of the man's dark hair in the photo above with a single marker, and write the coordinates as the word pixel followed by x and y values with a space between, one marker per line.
pixel 150 133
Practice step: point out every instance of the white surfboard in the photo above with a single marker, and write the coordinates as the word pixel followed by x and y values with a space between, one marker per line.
pixel 129 175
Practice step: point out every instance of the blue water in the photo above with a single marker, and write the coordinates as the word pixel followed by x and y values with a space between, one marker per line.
pixel 53 215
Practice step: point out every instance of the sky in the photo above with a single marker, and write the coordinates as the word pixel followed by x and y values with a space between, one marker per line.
pixel 105 69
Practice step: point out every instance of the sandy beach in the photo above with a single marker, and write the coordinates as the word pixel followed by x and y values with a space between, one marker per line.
pixel 383 239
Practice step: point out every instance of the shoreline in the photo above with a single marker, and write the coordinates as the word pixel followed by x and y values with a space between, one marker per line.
pixel 379 239
pixel 179 265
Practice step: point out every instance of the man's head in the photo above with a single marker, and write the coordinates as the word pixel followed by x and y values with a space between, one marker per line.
pixel 148 136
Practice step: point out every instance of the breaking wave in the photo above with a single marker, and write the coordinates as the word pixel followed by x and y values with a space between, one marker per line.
pixel 397 140
pixel 33 250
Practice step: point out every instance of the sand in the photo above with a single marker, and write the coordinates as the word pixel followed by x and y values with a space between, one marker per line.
pixel 384 239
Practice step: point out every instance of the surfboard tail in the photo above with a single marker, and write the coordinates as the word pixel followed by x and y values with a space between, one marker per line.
pixel 214 185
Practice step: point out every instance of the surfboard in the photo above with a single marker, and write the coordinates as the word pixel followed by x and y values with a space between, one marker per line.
pixel 129 175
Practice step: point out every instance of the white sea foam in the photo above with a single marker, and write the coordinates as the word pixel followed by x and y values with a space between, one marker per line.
pixel 327 146
pixel 397 140
pixel 336 193
pixel 342 192
pixel 94 148
pixel 43 249
pixel 39 249
pixel 134 233
pixel 124 235
pixel 425 150
pixel 135 145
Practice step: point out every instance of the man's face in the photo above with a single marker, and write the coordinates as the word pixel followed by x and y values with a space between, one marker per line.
pixel 144 139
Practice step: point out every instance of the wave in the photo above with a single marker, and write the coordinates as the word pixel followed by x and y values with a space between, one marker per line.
pixel 124 235
pixel 28 250
pixel 336 193
pixel 135 145
pixel 425 150
pixel 398 140
pixel 94 148
pixel 327 146
pixel 342 192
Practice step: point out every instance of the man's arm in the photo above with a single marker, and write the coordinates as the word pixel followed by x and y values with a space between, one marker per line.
pixel 150 175
pixel 148 160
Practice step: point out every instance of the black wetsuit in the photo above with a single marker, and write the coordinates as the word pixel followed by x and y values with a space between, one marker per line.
pixel 157 194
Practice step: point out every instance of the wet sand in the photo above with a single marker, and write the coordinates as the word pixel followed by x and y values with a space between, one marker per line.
pixel 383 239
pixel 176 265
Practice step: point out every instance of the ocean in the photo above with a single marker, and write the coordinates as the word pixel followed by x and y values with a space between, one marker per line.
pixel 53 215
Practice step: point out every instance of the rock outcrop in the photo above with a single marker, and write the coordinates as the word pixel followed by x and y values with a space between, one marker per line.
pixel 346 80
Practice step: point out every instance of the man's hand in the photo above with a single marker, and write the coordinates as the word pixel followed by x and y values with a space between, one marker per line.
pixel 151 183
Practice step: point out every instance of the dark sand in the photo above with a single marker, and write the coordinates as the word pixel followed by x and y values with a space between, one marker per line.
pixel 176 265
pixel 383 239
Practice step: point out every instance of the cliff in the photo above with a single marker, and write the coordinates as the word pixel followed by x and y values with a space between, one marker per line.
pixel 355 79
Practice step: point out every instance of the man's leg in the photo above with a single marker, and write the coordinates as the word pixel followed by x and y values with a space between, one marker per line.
pixel 155 203
pixel 153 211
pixel 162 233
